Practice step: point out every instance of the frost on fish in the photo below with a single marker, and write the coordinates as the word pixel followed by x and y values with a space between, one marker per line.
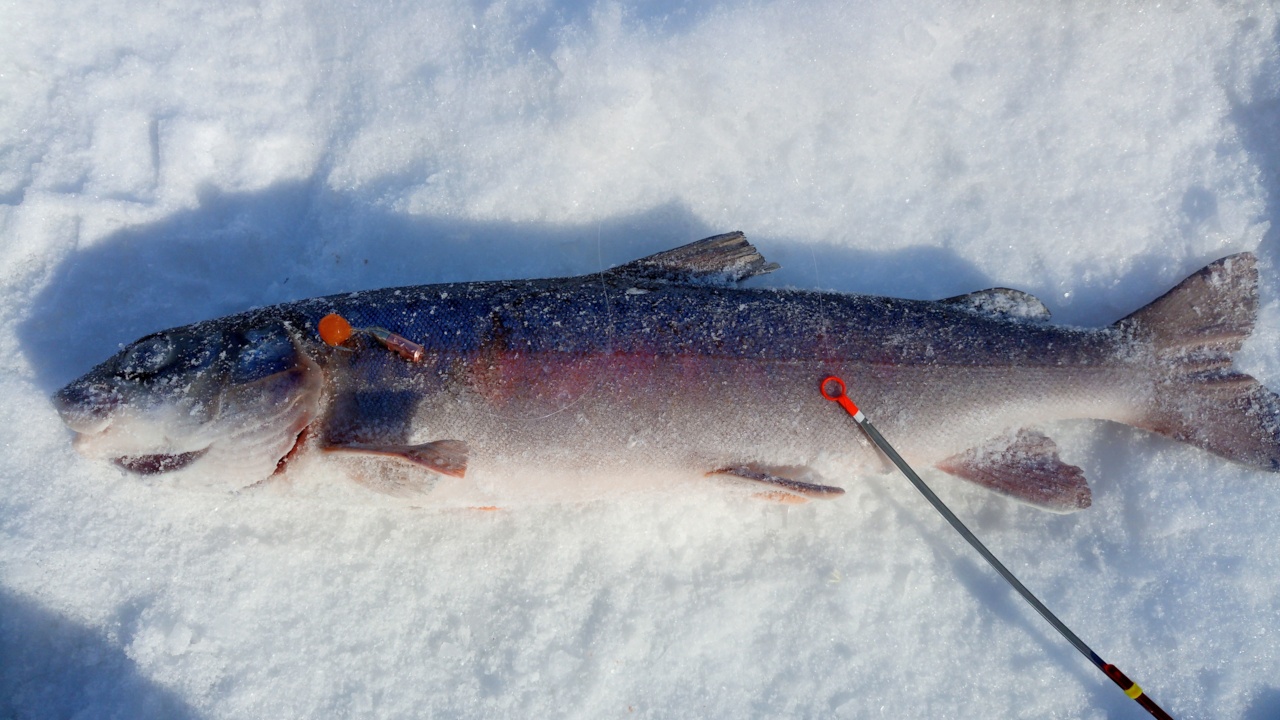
pixel 1194 330
pixel 218 403
pixel 1002 302
pixel 665 372
pixel 1024 465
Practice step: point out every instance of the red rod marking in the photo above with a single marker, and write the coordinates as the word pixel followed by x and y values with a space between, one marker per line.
pixel 838 395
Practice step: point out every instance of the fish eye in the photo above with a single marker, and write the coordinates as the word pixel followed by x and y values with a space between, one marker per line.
pixel 148 356
pixel 265 352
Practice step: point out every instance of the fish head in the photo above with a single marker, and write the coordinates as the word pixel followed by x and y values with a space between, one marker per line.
pixel 215 404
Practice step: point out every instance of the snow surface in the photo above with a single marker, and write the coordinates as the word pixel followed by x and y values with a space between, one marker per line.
pixel 167 162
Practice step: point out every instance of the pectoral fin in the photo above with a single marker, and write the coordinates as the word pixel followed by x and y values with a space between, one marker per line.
pixel 1025 467
pixel 794 489
pixel 446 457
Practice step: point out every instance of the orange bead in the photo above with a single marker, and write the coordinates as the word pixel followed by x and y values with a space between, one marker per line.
pixel 334 329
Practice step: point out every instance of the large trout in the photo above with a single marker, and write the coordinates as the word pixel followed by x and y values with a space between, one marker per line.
pixel 665 371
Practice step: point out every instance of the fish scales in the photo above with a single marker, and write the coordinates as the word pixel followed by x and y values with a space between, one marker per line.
pixel 665 369
pixel 539 365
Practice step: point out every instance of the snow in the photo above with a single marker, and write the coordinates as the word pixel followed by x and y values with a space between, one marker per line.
pixel 174 162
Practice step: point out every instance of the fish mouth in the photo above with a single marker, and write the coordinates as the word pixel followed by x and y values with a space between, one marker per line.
pixel 158 463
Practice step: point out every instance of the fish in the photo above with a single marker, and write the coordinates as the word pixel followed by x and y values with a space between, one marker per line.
pixel 668 373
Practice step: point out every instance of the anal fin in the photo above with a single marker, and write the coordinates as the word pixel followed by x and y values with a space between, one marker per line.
pixel 446 457
pixel 780 487
pixel 1025 467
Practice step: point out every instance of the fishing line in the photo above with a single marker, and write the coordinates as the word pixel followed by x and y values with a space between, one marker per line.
pixel 582 397
pixel 604 290
pixel 833 389
pixel 602 273
pixel 822 306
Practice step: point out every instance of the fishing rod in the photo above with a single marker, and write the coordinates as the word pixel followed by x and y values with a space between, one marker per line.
pixel 832 388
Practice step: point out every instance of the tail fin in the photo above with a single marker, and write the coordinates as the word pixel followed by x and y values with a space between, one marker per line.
pixel 1194 330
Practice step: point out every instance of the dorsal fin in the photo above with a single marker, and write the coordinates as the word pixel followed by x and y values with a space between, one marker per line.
pixel 717 260
pixel 1002 302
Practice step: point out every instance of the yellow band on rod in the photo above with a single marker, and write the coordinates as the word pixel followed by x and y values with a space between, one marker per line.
pixel 1134 691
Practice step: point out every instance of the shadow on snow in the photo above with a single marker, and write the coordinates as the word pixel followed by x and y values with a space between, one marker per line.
pixel 53 667
pixel 296 240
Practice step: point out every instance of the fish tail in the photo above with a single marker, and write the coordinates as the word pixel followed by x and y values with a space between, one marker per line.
pixel 1195 329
